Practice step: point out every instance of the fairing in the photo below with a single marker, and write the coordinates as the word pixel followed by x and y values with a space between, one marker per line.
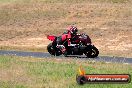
pixel 51 37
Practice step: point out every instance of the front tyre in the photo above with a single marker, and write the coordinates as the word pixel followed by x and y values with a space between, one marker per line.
pixel 94 52
pixel 91 52
pixel 52 51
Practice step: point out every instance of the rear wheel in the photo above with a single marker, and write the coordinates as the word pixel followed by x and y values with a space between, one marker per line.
pixel 52 51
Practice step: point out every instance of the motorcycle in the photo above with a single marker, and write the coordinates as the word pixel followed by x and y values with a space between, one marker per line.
pixel 81 45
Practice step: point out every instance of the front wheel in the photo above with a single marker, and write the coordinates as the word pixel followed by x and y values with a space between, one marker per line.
pixel 92 52
pixel 52 51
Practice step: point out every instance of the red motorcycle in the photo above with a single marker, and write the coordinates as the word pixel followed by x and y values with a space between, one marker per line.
pixel 82 45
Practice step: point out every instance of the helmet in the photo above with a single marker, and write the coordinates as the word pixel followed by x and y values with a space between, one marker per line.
pixel 73 30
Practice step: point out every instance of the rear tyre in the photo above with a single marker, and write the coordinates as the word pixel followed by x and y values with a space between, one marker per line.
pixel 65 54
pixel 52 51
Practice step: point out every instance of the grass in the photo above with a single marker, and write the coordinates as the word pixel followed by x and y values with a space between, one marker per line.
pixel 9 85
pixel 28 72
pixel 66 1
pixel 42 49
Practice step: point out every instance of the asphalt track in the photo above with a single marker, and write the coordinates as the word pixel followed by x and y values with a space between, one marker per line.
pixel 106 59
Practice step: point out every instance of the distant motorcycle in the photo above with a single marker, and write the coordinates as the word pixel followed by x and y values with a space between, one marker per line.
pixel 82 46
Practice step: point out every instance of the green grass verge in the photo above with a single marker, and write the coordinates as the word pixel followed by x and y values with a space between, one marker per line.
pixel 28 72
pixel 9 85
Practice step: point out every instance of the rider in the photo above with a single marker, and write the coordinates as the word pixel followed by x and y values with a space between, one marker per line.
pixel 69 34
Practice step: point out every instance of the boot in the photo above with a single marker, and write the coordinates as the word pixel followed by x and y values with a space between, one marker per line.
pixel 62 48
